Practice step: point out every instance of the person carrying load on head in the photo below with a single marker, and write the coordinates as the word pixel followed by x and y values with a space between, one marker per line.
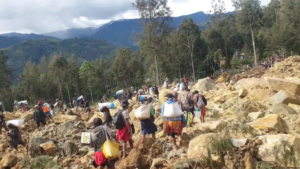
pixel 98 138
pixel 15 136
pixel 173 125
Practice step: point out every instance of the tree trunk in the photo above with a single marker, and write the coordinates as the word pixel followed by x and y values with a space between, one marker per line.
pixel 69 94
pixel 253 44
pixel 192 57
pixel 60 91
pixel 156 69
pixel 91 94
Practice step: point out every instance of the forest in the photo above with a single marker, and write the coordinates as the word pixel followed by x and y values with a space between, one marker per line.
pixel 252 31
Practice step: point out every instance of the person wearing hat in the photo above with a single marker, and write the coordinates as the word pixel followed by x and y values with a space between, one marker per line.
pixel 175 124
pixel 39 116
pixel 2 121
pixel 125 134
pixel 98 138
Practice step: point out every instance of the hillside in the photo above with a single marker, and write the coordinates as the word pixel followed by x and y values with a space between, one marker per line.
pixel 120 32
pixel 84 49
pixel 27 36
pixel 9 41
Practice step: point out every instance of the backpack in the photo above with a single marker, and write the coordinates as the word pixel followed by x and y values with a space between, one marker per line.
pixel 184 101
pixel 200 102
pixel 118 121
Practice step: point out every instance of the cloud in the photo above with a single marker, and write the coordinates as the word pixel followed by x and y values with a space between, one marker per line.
pixel 41 16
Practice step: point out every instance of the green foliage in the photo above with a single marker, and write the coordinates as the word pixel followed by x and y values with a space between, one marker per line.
pixel 43 162
pixel 237 62
pixel 286 154
pixel 221 145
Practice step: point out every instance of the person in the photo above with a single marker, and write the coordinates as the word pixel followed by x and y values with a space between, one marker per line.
pixel 166 82
pixel 185 80
pixel 51 106
pixel 185 100
pixel 107 117
pixel 15 136
pixel 46 110
pixel 58 104
pixel 79 102
pixel 74 102
pixel 175 124
pixel 156 92
pixel 175 95
pixel 130 94
pixel 87 106
pixel 148 126
pixel 200 102
pixel 2 121
pixel 125 134
pixel 16 105
pixel 39 116
pixel 98 138
pixel 24 108
pixel 191 105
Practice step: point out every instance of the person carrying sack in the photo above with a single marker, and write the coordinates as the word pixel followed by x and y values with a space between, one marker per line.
pixel 173 125
pixel 99 136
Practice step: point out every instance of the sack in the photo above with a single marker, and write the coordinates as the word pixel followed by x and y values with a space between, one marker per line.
pixel 143 112
pixel 200 102
pixel 181 87
pixel 85 138
pixel 184 101
pixel 16 123
pixel 166 127
pixel 118 121
pixel 110 149
pixel 172 110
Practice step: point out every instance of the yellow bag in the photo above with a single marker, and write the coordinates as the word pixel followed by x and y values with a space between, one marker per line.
pixel 110 149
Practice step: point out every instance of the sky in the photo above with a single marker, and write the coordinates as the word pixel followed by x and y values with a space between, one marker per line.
pixel 42 16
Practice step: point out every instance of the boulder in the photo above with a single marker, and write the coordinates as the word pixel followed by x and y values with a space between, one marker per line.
pixel 205 84
pixel 26 116
pixel 243 92
pixel 212 126
pixel 249 83
pixel 266 150
pixel 281 109
pixel 49 147
pixel 9 160
pixel 96 115
pixel 271 121
pixel 162 94
pixel 9 116
pixel 284 97
pixel 70 148
pixel 64 118
pixel 34 146
pixel 295 107
pixel 291 86
pixel 86 116
pixel 226 96
pixel 255 115
pixel 69 112
pixel 198 146
pixel 260 94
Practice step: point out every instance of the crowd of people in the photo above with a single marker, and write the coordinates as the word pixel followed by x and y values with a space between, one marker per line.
pixel 188 102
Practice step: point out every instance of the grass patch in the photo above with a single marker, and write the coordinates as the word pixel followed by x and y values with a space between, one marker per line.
pixel 286 154
pixel 43 162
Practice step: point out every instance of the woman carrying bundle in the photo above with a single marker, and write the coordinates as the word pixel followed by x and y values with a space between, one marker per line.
pixel 147 125
pixel 174 124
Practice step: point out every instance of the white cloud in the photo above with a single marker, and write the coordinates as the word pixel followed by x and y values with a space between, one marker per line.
pixel 42 16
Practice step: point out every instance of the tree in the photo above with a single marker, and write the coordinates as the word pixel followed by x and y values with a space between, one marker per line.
pixel 189 35
pixel 155 16
pixel 87 74
pixel 249 13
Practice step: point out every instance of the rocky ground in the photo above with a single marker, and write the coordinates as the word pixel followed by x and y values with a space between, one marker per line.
pixel 251 124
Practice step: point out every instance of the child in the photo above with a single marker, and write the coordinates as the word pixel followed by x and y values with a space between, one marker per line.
pixel 15 136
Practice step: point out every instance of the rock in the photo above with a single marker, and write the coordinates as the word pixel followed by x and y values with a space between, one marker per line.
pixel 64 118
pixel 250 162
pixel 281 109
pixel 26 116
pixel 34 146
pixel 3 146
pixel 162 94
pixel 211 126
pixel 9 160
pixel 159 122
pixel 239 142
pixel 96 115
pixel 260 94
pixel 295 107
pixel 284 97
pixel 271 121
pixel 243 92
pixel 87 157
pixel 49 147
pixel 86 116
pixel 266 150
pixel 69 112
pixel 291 86
pixel 9 116
pixel 226 96
pixel 249 83
pixel 255 115
pixel 158 161
pixel 70 148
pixel 205 84
pixel 198 146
